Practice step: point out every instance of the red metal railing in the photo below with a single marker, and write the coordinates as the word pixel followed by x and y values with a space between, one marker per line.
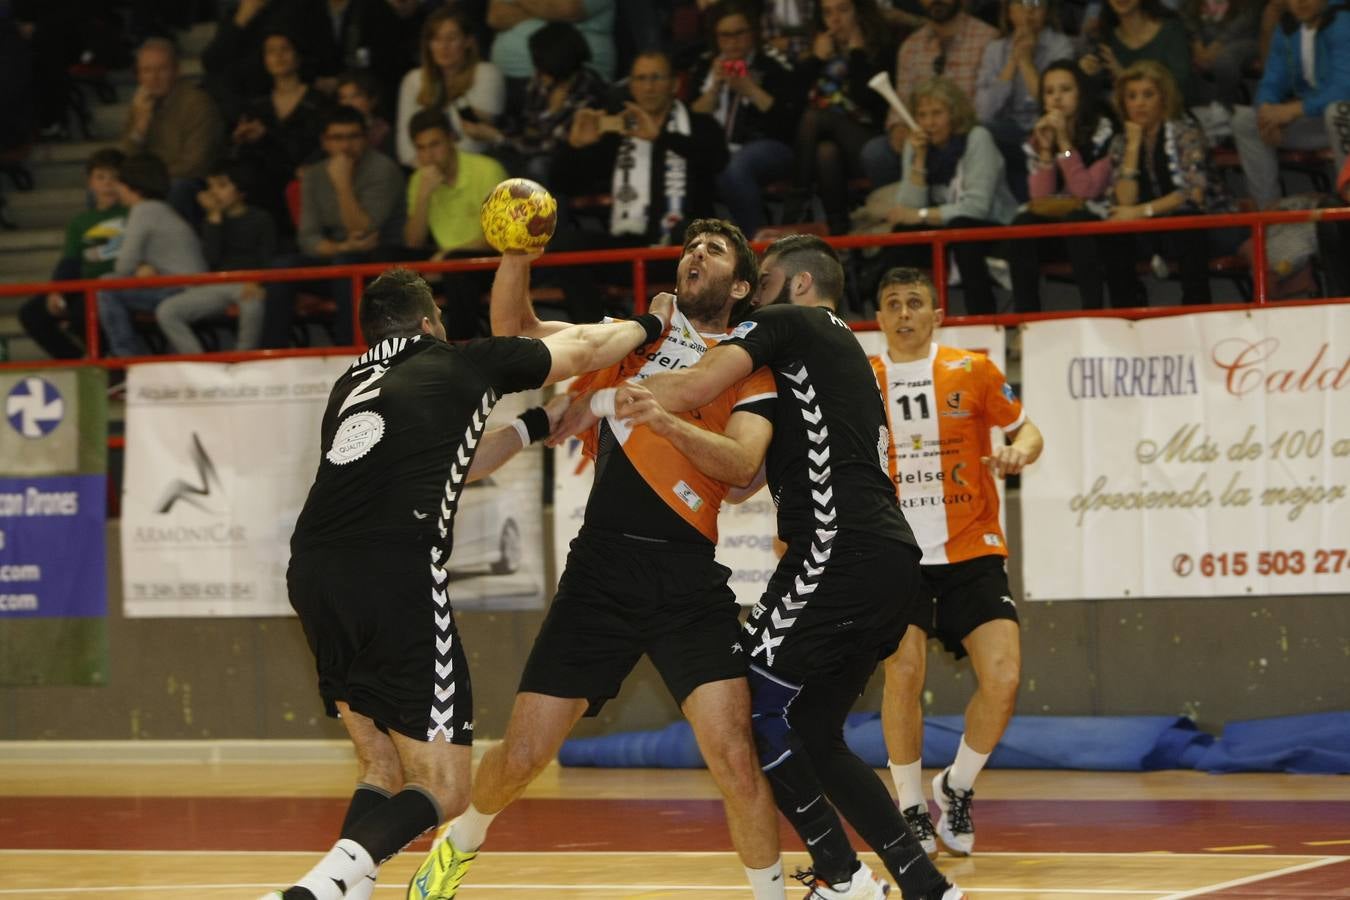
pixel 938 239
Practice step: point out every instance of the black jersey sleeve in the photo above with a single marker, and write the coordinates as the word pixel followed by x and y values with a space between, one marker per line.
pixel 769 334
pixel 510 363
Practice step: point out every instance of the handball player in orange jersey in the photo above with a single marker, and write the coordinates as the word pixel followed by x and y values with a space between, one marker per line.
pixel 641 577
pixel 942 402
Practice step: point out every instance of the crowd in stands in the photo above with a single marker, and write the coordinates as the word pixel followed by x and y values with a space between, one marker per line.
pixel 341 131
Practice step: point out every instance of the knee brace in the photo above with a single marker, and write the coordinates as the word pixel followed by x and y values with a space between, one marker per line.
pixel 770 698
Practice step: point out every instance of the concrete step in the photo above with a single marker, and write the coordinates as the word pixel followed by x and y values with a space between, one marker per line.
pixel 24 268
pixel 45 207
pixel 30 240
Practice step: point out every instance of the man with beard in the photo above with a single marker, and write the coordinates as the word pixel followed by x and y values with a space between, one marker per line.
pixel 641 576
pixel 656 159
pixel 848 585
pixel 950 44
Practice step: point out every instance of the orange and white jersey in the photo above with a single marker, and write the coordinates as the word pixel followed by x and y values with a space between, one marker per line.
pixel 677 481
pixel 940 411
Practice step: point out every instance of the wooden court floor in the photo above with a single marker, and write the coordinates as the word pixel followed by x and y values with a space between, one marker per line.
pixel 222 830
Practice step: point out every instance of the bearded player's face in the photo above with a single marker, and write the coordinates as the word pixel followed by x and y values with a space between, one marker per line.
pixel 705 275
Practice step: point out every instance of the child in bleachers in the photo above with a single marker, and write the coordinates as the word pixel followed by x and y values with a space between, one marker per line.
pixel 235 236
pixel 93 239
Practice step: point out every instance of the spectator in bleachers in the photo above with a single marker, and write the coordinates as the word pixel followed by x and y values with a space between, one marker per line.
pixel 659 163
pixel 562 83
pixel 788 26
pixel 156 241
pixel 174 120
pixel 1301 101
pixel 392 38
pixel 953 178
pixel 279 131
pixel 1069 168
pixel 452 78
pixel 1160 167
pixel 93 239
pixel 950 45
pixel 1223 43
pixel 445 195
pixel 515 20
pixel 1333 240
pixel 754 95
pixel 1005 89
pixel 351 211
pixel 233 61
pixel 236 236
pixel 852 43
pixel 362 92
pixel 1134 30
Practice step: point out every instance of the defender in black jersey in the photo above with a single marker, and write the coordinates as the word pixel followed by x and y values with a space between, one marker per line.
pixel 403 432
pixel 829 614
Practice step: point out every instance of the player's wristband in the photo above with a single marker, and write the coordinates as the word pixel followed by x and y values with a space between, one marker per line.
pixel 602 401
pixel 532 425
pixel 652 324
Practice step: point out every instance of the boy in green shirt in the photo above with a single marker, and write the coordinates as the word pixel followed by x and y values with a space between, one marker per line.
pixel 93 239
pixel 445 195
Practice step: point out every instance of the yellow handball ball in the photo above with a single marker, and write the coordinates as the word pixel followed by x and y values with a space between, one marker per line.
pixel 519 214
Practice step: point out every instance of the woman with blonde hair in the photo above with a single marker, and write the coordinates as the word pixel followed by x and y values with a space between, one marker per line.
pixel 454 78
pixel 1160 167
pixel 952 176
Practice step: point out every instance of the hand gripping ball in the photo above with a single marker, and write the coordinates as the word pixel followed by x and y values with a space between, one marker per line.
pixel 519 214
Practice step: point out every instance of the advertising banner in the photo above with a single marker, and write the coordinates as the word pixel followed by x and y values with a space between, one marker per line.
pixel 1198 455
pixel 220 458
pixel 53 509
pixel 746 530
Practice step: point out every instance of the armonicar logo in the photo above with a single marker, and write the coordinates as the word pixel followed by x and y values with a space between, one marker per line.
pixel 189 492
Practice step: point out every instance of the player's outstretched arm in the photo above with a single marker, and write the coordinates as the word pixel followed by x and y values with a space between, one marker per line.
pixel 585 348
pixel 733 457
pixel 511 311
pixel 719 369
pixel 499 445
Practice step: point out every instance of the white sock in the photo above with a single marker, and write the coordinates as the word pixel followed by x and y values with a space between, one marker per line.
pixel 908 778
pixel 470 830
pixel 767 884
pixel 365 889
pixel 347 863
pixel 961 776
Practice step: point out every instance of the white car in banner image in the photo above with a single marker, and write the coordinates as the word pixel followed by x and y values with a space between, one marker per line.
pixel 487 536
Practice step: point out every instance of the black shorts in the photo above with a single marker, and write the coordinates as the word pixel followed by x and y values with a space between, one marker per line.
pixel 966 595
pixel 829 602
pixel 384 639
pixel 621 597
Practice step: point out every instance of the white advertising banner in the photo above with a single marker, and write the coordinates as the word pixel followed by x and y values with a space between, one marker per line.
pixel 1197 455
pixel 219 461
pixel 746 530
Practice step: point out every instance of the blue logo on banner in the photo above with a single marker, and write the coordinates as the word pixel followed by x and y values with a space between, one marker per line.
pixel 52 558
pixel 34 407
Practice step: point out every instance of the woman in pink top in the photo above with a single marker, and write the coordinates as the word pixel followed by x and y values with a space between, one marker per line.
pixel 1069 171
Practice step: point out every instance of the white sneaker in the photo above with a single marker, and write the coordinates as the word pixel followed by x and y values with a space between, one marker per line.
pixel 953 893
pixel 920 824
pixel 863 886
pixel 955 828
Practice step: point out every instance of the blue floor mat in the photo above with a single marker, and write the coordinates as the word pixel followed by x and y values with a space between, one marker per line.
pixel 1311 743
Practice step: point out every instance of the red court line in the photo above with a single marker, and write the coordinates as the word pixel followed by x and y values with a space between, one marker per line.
pixel 1082 826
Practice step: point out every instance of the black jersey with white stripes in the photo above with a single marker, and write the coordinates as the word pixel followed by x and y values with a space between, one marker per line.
pixel 398 436
pixel 827 462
